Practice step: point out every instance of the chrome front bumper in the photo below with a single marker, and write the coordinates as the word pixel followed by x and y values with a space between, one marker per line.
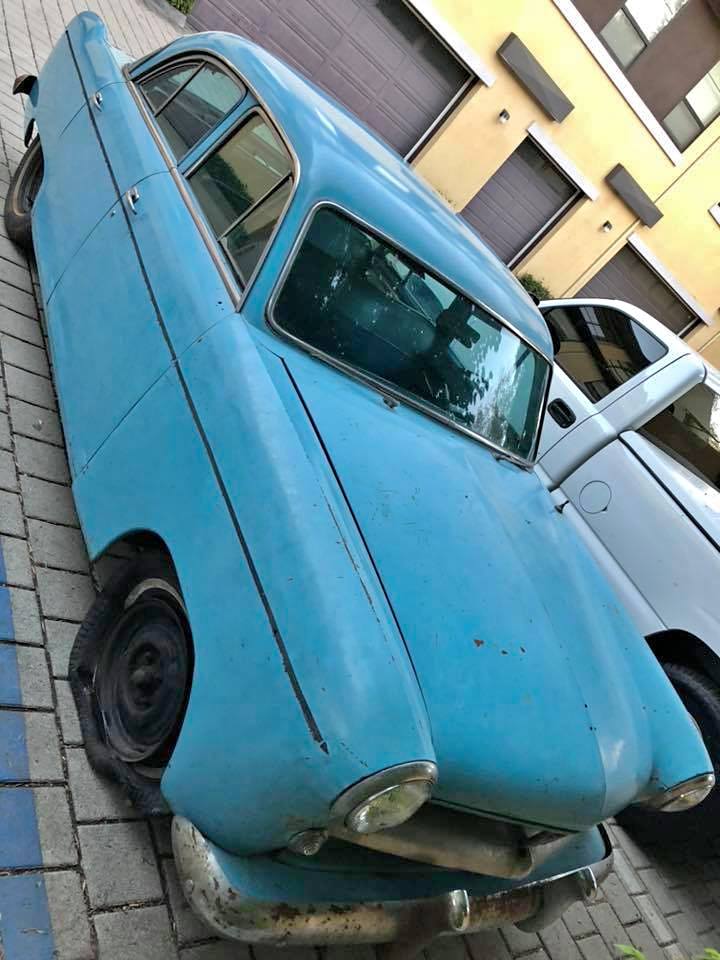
pixel 232 913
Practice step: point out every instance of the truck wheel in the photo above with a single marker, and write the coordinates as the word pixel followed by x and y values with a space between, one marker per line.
pixel 702 699
pixel 21 196
pixel 130 672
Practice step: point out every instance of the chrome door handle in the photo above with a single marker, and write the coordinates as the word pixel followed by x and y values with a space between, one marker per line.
pixel 133 198
pixel 98 100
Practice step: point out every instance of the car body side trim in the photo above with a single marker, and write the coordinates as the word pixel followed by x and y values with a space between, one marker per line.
pixel 272 621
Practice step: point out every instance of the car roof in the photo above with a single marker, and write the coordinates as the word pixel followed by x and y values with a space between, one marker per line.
pixel 343 162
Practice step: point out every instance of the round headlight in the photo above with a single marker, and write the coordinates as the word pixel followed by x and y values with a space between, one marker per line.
pixel 389 808
pixel 385 799
pixel 683 795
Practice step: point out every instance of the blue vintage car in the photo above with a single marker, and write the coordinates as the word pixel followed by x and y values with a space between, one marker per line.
pixel 359 655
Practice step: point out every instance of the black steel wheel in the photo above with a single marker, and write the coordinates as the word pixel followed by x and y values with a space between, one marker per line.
pixel 21 195
pixel 130 671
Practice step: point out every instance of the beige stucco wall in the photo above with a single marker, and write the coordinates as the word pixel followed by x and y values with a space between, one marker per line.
pixel 600 132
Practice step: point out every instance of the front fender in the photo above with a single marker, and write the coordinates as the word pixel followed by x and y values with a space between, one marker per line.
pixel 248 768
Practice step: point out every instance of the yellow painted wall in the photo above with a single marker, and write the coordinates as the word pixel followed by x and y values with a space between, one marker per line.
pixel 600 132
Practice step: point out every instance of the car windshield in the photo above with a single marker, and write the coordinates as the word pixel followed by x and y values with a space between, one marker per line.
pixel 363 302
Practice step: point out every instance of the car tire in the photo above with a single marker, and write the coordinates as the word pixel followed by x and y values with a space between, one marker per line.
pixel 701 697
pixel 21 195
pixel 130 673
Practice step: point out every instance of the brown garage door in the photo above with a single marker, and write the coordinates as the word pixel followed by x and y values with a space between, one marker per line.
pixel 521 201
pixel 375 56
pixel 628 277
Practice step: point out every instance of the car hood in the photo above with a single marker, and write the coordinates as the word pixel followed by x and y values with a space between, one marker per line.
pixel 523 655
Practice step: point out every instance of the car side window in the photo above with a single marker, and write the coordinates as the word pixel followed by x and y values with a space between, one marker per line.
pixel 188 100
pixel 601 348
pixel 689 431
pixel 242 188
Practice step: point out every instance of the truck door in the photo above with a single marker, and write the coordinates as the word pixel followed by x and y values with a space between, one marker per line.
pixel 602 354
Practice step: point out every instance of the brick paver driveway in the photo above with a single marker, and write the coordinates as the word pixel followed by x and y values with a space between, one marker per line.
pixel 104 878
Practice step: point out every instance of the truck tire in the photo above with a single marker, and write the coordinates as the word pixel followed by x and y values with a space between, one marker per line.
pixel 701 697
pixel 21 196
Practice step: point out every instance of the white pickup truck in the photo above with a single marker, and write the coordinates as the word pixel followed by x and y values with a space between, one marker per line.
pixel 630 449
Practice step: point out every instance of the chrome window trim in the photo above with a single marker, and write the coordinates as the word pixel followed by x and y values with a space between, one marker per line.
pixel 383 386
pixel 236 291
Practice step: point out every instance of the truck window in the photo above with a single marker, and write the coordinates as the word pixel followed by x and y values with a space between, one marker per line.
pixel 689 431
pixel 600 347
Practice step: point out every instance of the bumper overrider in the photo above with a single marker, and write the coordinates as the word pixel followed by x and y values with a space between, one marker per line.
pixel 276 918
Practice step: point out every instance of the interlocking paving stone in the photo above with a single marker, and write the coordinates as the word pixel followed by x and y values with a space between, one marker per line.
pixel 64 596
pixel 43 749
pixel 11 517
pixel 5 438
pixel 22 354
pixel 608 925
pixel 69 723
pixel 578 921
pixel 666 900
pixel 41 460
pixel 32 669
pixel 520 942
pixel 60 638
pixel 593 948
pixel 8 473
pixel 486 945
pixel 134 873
pixel 190 927
pixel 558 943
pixel 654 919
pixel 35 422
pixel 30 387
pixel 56 546
pixel 642 938
pixel 45 501
pixel 94 797
pixel 57 840
pixel 68 914
pixel 17 561
pixel 25 615
pixel 135 934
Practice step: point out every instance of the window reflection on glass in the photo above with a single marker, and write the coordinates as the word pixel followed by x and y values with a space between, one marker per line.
pixel 361 301
pixel 188 101
pixel 242 189
pixel 601 348
pixel 696 111
pixel 689 431
pixel 623 39
pixel 635 25
pixel 651 16
pixel 160 87
pixel 704 98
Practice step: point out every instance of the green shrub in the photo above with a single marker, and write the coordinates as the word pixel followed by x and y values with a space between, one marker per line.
pixel 634 954
pixel 184 6
pixel 535 287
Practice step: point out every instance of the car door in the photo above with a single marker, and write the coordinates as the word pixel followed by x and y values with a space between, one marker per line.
pixel 602 353
pixel 234 182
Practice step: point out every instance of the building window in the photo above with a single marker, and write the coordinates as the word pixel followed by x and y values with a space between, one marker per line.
pixel 635 25
pixel 696 111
